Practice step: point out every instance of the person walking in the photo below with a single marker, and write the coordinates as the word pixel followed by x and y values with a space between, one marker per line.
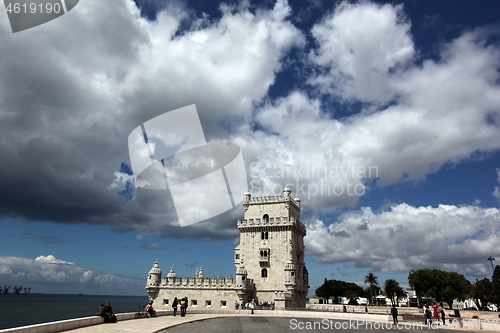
pixel 428 315
pixel 183 307
pixel 436 311
pixel 394 312
pixel 252 306
pixel 425 310
pixel 174 306
pixel 443 315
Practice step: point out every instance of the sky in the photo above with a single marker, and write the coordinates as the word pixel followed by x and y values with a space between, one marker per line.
pixel 381 116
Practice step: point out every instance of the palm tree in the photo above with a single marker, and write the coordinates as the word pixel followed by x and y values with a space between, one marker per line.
pixel 393 290
pixel 482 291
pixel 400 294
pixel 372 280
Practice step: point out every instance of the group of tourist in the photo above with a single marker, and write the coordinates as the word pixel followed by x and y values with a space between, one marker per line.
pixel 433 311
pixel 253 304
pixel 183 303
pixel 107 313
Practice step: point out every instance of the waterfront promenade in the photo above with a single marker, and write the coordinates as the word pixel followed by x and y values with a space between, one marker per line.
pixel 144 325
pixel 279 320
pixel 127 323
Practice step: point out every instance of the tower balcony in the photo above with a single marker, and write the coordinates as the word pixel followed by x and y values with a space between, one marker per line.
pixel 264 255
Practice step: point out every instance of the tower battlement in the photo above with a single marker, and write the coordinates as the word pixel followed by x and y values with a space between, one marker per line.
pixel 270 199
pixel 280 221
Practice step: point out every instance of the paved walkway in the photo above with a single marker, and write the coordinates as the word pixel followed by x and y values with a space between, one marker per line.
pixel 148 325
pixel 153 325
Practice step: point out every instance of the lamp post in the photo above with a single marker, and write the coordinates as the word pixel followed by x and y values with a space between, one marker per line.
pixel 491 261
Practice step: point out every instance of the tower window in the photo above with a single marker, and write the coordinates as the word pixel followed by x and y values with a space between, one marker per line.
pixel 264 235
pixel 264 255
pixel 265 218
pixel 263 273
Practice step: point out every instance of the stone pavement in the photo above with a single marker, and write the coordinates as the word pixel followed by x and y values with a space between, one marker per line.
pixel 151 325
pixel 158 324
pixel 148 325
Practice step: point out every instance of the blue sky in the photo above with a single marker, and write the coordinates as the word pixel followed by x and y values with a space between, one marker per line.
pixel 410 89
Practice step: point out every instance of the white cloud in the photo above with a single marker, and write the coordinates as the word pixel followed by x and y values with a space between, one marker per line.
pixel 50 259
pixel 437 119
pixel 123 181
pixel 359 44
pixel 223 66
pixel 496 189
pixel 447 237
pixel 49 274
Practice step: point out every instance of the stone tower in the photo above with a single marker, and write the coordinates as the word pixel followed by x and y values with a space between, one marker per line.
pixel 154 279
pixel 271 249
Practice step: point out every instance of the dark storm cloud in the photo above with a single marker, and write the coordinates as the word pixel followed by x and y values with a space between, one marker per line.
pixel 67 109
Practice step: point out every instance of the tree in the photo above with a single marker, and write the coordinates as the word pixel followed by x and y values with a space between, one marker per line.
pixel 482 292
pixel 495 280
pixel 394 291
pixel 352 296
pixel 372 280
pixel 400 294
pixel 456 286
pixel 324 291
pixel 438 284
pixel 339 288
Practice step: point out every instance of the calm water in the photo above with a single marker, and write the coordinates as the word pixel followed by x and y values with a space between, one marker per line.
pixel 20 310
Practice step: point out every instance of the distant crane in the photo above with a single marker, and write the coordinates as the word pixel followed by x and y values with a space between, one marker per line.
pixel 491 262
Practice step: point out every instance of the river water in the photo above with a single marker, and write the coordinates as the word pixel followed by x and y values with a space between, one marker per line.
pixel 21 310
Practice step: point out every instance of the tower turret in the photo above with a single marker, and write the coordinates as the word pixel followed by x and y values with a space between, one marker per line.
pixel 241 283
pixel 172 274
pixel 154 279
pixel 286 192
pixel 241 276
